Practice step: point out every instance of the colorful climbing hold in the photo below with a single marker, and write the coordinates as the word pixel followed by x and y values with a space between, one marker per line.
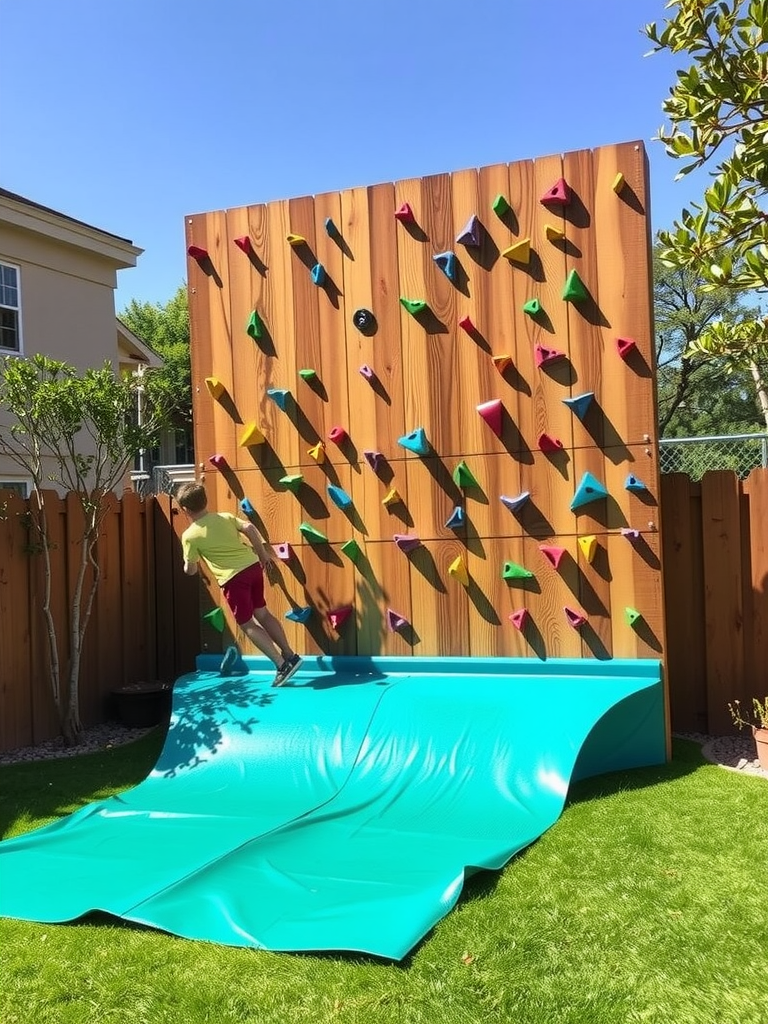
pixel 416 441
pixel 313 535
pixel 553 234
pixel 392 497
pixel 299 614
pixel 280 396
pixel 456 519
pixel 466 324
pixel 574 289
pixel 219 461
pixel 339 496
pixel 292 480
pixel 395 621
pixel 414 306
pixel 374 459
pixel 216 619
pixel 215 387
pixel 547 443
pixel 197 252
pixel 351 549
pixel 493 414
pixel 339 616
pixel 247 507
pixel 500 206
pixel 308 374
pixel 338 435
pixel 579 404
pixel 252 435
pixel 553 554
pixel 630 533
pixel 405 214
pixel 255 326
pixel 516 503
pixel 463 476
pixel 406 541
pixel 284 551
pixel 625 347
pixel 470 233
pixel 448 264
pixel 519 619
pixel 588 547
pixel 544 355
pixel 458 570
pixel 635 485
pixel 502 363
pixel 317 452
pixel 513 571
pixel 296 240
pixel 632 616
pixel 558 195
pixel 520 252
pixel 618 183
pixel 367 372
pixel 364 321
pixel 590 489
pixel 575 618
pixel 318 274
pixel 331 228
pixel 244 243
pixel 532 307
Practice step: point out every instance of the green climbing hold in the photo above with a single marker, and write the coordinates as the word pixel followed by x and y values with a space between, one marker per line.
pixel 463 476
pixel 574 290
pixel 307 374
pixel 255 325
pixel 216 619
pixel 532 307
pixel 513 571
pixel 632 616
pixel 292 480
pixel 414 306
pixel 313 536
pixel 351 549
pixel 500 206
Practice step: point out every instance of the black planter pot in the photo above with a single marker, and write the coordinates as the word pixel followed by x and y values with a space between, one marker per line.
pixel 142 705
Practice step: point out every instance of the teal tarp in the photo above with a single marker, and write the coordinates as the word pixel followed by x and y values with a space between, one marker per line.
pixel 342 812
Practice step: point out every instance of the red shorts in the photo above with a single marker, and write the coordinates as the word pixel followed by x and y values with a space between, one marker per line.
pixel 244 593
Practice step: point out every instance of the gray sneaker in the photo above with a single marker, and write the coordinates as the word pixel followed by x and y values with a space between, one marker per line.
pixel 286 670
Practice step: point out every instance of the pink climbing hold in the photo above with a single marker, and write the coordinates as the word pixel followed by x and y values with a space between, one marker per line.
pixel 558 195
pixel 519 619
pixel 405 214
pixel 630 533
pixel 493 414
pixel 367 371
pixel 197 252
pixel 395 621
pixel 406 541
pixel 338 435
pixel 219 461
pixel 626 346
pixel 575 618
pixel 339 616
pixel 284 551
pixel 547 443
pixel 466 324
pixel 244 243
pixel 553 554
pixel 544 356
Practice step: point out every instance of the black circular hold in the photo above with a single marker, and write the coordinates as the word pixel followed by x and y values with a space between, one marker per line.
pixel 365 322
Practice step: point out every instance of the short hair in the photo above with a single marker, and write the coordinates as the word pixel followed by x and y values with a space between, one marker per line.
pixel 192 497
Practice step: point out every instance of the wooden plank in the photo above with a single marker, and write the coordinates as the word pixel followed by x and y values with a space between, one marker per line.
pixel 724 611
pixel 107 619
pixel 154 636
pixel 164 591
pixel 440 602
pixel 15 632
pixel 755 490
pixel 382 579
pixel 133 585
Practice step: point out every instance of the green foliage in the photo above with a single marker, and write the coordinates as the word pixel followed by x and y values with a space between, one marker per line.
pixel 757 717
pixel 165 328
pixel 717 109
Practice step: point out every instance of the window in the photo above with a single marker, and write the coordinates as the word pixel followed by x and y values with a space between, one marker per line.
pixel 18 486
pixel 10 308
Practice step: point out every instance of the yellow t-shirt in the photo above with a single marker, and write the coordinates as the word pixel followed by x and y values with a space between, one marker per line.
pixel 216 539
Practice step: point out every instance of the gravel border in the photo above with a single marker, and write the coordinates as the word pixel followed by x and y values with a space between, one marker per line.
pixel 735 753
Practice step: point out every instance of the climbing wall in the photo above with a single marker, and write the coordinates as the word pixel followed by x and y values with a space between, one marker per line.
pixel 436 399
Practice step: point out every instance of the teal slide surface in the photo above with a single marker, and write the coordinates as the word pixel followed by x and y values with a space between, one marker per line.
pixel 341 812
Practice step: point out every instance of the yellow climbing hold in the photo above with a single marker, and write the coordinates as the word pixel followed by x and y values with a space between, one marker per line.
pixel 317 452
pixel 588 547
pixel 520 252
pixel 215 386
pixel 458 570
pixel 553 234
pixel 393 498
pixel 251 435
pixel 618 183
pixel 296 240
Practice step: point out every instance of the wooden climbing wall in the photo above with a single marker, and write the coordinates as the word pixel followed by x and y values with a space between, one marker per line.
pixel 432 372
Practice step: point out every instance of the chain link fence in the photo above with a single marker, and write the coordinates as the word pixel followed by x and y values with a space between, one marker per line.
pixel 695 456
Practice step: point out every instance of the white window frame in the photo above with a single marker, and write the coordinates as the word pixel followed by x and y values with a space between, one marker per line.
pixel 20 350
pixel 10 481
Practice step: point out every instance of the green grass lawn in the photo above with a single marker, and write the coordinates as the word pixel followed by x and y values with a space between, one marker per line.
pixel 647 901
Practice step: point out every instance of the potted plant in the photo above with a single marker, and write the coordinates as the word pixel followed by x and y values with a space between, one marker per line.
pixel 757 720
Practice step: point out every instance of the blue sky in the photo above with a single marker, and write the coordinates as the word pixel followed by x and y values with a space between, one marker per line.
pixel 129 114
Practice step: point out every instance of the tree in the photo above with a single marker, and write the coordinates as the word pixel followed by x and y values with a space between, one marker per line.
pixel 698 392
pixel 166 329
pixel 718 110
pixel 78 431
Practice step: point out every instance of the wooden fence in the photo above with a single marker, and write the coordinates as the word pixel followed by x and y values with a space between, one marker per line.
pixel 147 624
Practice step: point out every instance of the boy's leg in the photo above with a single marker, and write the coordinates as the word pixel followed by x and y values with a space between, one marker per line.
pixel 274 630
pixel 260 638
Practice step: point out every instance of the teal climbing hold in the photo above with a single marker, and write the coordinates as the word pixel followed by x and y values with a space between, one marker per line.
pixel 280 396
pixel 318 274
pixel 456 519
pixel 579 404
pixel 416 441
pixel 590 489
pixel 331 228
pixel 247 507
pixel 299 614
pixel 574 289
pixel 532 307
pixel 448 264
pixel 635 485
pixel 414 306
pixel 339 496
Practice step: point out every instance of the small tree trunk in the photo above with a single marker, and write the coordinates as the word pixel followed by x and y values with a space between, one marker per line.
pixel 761 386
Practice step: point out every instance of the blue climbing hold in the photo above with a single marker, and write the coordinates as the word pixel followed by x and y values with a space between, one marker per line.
pixel 299 614
pixel 448 264
pixel 318 274
pixel 330 227
pixel 247 507
pixel 416 441
pixel 280 396
pixel 515 504
pixel 579 404
pixel 635 485
pixel 456 519
pixel 339 496
pixel 590 489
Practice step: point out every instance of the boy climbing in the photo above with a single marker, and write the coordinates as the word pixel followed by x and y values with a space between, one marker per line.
pixel 219 538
